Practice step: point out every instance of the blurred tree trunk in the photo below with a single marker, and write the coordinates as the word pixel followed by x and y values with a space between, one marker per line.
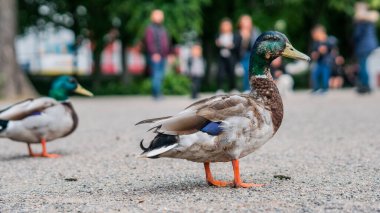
pixel 13 82
pixel 97 74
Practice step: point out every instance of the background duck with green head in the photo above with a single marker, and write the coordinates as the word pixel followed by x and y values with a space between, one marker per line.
pixel 43 119
pixel 64 86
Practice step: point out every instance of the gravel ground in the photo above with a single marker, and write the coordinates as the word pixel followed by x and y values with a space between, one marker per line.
pixel 328 145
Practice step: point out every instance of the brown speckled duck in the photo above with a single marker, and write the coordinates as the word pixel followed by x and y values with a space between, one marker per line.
pixel 227 127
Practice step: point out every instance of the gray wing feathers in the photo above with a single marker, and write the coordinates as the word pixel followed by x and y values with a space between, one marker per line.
pixel 23 109
pixel 152 120
pixel 182 124
pixel 194 117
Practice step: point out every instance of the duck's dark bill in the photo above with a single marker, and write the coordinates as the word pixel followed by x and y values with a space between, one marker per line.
pixel 83 91
pixel 291 52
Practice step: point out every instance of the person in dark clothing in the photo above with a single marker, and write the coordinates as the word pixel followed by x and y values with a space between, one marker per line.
pixel 320 54
pixel 157 44
pixel 226 42
pixel 196 69
pixel 365 41
pixel 337 71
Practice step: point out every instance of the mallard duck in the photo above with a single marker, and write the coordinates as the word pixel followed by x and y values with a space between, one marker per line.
pixel 43 119
pixel 226 128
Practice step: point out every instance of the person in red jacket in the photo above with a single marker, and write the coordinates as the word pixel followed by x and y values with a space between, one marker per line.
pixel 157 45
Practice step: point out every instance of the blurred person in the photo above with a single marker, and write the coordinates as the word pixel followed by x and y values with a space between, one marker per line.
pixel 247 36
pixel 337 72
pixel 365 41
pixel 373 67
pixel 226 42
pixel 157 43
pixel 196 69
pixel 283 80
pixel 351 74
pixel 321 56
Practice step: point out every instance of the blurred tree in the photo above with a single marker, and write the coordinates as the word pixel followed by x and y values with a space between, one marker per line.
pixel 96 17
pixel 13 82
pixel 86 18
pixel 180 16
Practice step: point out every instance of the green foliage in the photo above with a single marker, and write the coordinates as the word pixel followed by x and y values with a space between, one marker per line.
pixel 176 84
pixel 137 86
pixel 302 80
pixel 180 15
pixel 142 86
pixel 98 16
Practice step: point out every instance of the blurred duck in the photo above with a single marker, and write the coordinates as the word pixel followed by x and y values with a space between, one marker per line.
pixel 226 127
pixel 43 119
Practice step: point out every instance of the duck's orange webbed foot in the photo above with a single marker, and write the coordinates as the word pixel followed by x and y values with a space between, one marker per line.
pixel 247 185
pixel 44 153
pixel 211 181
pixel 237 181
pixel 49 155
pixel 218 183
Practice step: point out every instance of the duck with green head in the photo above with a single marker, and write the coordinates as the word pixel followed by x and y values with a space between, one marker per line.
pixel 226 128
pixel 43 119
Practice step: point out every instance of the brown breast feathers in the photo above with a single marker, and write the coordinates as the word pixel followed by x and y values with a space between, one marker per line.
pixel 265 90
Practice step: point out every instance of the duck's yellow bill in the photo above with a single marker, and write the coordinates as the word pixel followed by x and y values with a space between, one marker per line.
pixel 291 52
pixel 83 91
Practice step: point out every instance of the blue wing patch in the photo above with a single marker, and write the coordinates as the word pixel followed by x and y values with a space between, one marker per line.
pixel 35 113
pixel 212 128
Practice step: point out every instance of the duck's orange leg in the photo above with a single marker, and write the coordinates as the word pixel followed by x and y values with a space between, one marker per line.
pixel 237 180
pixel 31 153
pixel 210 180
pixel 44 151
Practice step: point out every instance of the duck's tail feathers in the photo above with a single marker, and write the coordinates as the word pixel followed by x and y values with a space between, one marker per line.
pixel 3 127
pixel 160 144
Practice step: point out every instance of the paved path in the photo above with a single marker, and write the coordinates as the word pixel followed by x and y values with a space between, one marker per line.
pixel 328 145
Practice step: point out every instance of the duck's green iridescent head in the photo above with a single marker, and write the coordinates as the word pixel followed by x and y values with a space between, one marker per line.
pixel 268 46
pixel 64 86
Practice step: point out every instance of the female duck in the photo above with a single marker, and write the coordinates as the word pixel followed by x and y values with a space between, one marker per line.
pixel 43 119
pixel 227 127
